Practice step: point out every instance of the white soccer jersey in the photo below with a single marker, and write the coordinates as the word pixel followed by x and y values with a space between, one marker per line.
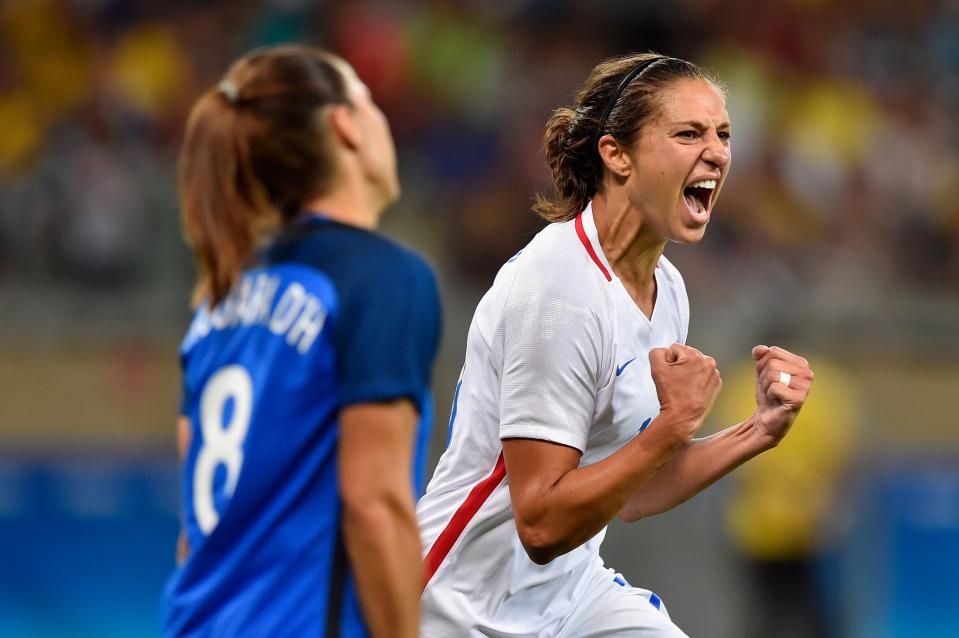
pixel 557 351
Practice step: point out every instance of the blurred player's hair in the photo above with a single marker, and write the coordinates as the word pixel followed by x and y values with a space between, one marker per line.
pixel 255 149
pixel 572 132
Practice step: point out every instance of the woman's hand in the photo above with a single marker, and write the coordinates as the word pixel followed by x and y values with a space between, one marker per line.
pixel 687 384
pixel 783 380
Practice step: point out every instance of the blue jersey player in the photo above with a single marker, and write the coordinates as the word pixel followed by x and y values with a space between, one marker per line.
pixel 306 366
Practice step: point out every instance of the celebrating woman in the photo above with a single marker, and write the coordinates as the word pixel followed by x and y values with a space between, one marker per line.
pixel 578 400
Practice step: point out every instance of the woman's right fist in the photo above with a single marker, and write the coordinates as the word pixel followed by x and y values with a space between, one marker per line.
pixel 687 383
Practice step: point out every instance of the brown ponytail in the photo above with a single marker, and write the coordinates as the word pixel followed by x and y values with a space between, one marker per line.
pixel 568 155
pixel 572 133
pixel 254 151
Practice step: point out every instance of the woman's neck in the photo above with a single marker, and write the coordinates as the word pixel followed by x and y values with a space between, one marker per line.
pixel 348 203
pixel 632 254
pixel 343 210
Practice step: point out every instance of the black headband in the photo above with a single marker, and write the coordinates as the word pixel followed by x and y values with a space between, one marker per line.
pixel 639 68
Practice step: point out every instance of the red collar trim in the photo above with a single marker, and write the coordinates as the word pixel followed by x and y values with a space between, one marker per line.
pixel 581 232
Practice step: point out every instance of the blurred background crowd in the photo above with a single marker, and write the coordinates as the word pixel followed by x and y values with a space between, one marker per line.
pixel 836 235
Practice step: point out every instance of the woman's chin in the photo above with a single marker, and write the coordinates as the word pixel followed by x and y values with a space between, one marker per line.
pixel 690 235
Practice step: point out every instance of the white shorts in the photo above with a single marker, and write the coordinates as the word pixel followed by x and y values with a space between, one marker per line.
pixel 612 607
pixel 609 607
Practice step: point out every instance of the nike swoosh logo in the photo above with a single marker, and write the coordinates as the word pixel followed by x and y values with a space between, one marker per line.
pixel 619 369
pixel 643 426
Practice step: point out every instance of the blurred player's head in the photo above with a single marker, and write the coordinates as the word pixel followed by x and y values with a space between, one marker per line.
pixel 286 125
pixel 652 124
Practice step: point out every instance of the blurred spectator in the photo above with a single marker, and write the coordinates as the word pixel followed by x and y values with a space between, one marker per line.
pixel 784 513
pixel 835 135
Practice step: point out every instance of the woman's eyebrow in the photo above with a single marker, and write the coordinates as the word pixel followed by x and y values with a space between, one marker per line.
pixel 700 126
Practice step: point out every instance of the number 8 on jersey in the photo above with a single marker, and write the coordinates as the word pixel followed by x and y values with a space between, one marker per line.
pixel 222 442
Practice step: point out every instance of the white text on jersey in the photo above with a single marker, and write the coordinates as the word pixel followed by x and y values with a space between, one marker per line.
pixel 299 315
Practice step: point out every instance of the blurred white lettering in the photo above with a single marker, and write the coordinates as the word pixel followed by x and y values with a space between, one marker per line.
pixel 298 315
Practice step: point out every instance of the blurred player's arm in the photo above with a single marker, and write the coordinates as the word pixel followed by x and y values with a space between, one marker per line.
pixel 379 521
pixel 183 436
pixel 703 461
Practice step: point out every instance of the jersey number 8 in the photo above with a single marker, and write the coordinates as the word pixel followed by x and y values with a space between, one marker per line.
pixel 222 442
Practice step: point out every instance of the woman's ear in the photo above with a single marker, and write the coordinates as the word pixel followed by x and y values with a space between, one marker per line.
pixel 343 126
pixel 614 156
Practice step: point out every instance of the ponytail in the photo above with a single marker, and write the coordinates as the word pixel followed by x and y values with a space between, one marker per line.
pixel 222 202
pixel 253 153
pixel 569 157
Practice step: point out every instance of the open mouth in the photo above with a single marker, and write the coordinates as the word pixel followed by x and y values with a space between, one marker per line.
pixel 699 195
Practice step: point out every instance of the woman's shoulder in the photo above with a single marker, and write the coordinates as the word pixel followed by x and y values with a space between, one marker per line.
pixel 554 265
pixel 352 254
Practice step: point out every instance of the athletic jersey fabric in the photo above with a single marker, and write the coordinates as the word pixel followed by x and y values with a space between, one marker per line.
pixel 557 351
pixel 332 315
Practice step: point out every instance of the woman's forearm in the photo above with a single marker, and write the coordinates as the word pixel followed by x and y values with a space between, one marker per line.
pixel 379 522
pixel 694 468
pixel 383 544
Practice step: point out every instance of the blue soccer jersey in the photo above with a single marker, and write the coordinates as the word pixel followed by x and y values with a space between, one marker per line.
pixel 332 315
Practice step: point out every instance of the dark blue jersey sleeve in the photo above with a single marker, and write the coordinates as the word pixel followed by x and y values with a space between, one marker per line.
pixel 388 330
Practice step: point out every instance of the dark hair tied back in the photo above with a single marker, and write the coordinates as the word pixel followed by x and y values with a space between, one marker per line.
pixel 255 150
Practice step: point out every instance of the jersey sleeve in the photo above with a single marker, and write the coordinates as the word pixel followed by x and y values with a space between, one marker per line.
pixel 387 332
pixel 551 361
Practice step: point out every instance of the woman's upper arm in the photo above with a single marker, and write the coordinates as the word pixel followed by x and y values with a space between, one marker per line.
pixel 376 449
pixel 534 467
